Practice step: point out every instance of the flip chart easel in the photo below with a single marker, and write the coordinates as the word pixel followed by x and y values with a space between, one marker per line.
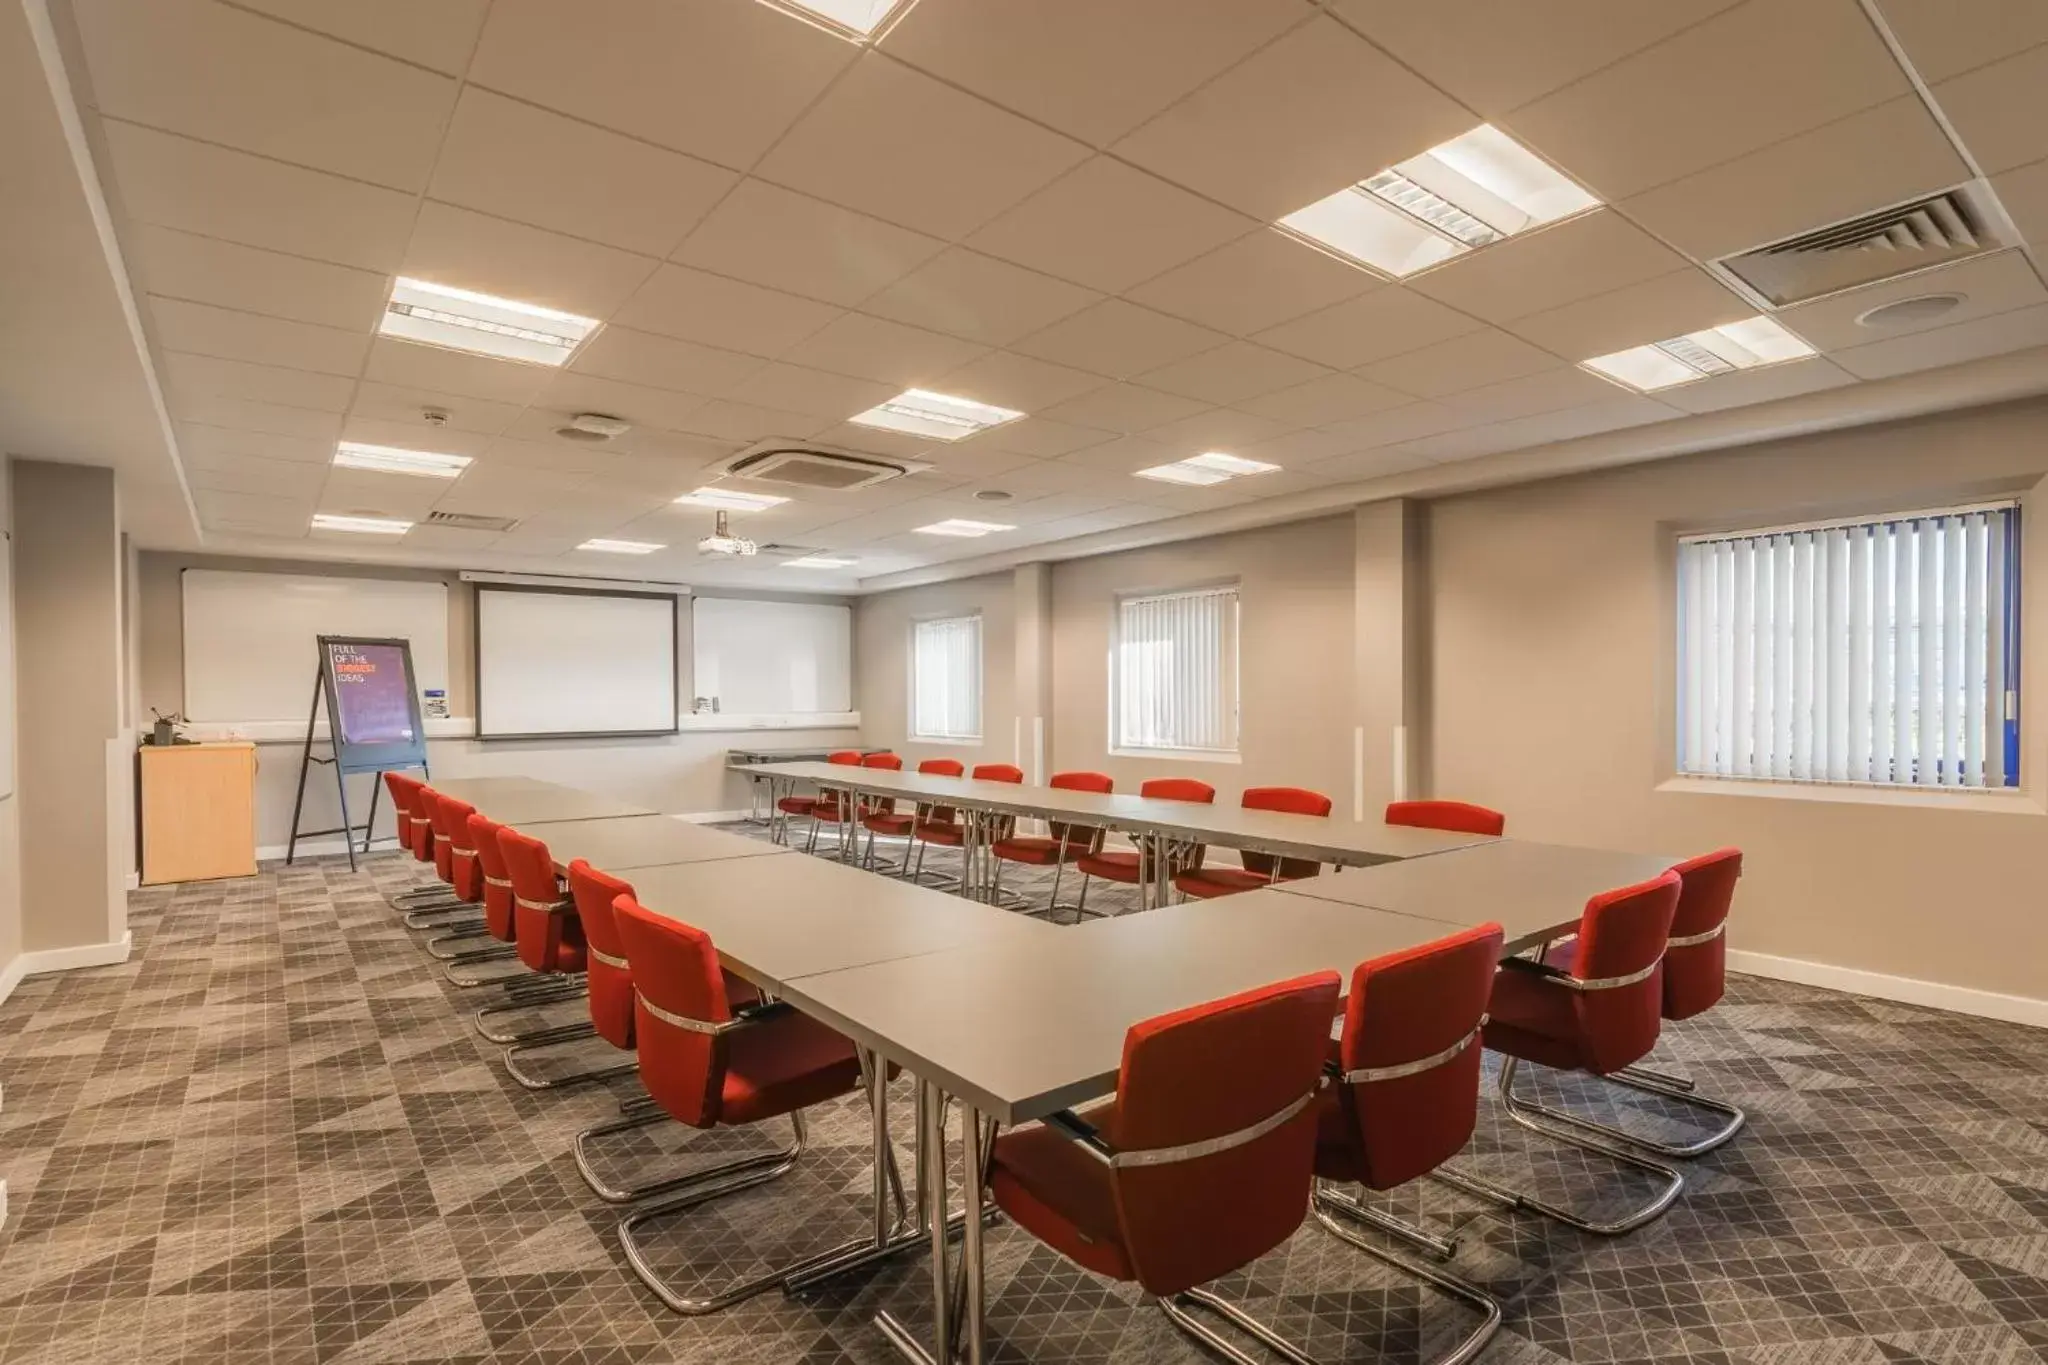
pixel 373 726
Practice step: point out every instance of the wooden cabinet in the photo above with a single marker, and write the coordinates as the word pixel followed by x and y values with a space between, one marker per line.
pixel 198 811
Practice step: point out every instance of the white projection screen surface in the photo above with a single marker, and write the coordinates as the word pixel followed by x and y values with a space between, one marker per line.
pixel 561 662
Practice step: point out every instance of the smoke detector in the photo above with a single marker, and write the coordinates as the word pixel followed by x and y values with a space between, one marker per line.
pixel 723 544
pixel 593 427
pixel 1913 312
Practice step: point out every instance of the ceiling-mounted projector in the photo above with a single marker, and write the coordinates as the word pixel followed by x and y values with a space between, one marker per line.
pixel 723 542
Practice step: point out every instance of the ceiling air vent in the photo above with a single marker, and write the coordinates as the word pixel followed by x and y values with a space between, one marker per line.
pixel 804 464
pixel 470 521
pixel 1938 230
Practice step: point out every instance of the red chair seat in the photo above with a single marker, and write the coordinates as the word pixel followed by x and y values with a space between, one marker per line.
pixel 1534 1020
pixel 1112 865
pixel 797 805
pixel 789 1064
pixel 1032 848
pixel 570 955
pixel 1209 882
pixel 889 822
pixel 1063 1196
pixel 941 832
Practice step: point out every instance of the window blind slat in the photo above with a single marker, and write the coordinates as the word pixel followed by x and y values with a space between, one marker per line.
pixel 1174 667
pixel 1994 652
pixel 1859 713
pixel 945 690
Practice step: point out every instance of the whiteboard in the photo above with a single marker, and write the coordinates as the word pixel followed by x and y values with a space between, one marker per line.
pixel 773 658
pixel 574 663
pixel 250 651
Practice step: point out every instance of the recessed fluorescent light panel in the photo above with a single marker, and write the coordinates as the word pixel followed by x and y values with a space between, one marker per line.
pixel 939 416
pixel 1744 345
pixel 621 547
pixel 369 526
pixel 730 500
pixel 819 562
pixel 956 526
pixel 1210 467
pixel 1470 192
pixel 859 20
pixel 464 321
pixel 393 460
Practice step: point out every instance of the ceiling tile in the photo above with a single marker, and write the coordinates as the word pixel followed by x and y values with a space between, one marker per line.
pixel 1467 362
pixel 1797 65
pixel 175 182
pixel 665 363
pixel 1943 40
pixel 251 510
pixel 398 403
pixel 966 294
pixel 1408 423
pixel 1333 398
pixel 180 265
pixel 730 421
pixel 510 260
pixel 205 330
pixel 1744 387
pixel 1217 429
pixel 1296 449
pixel 1989 284
pixel 1232 372
pixel 407 364
pixel 870 348
pixel 1586 255
pixel 234 78
pixel 794 388
pixel 1040 438
pixel 205 376
pixel 691 305
pixel 1124 407
pixel 1339 107
pixel 2001 110
pixel 1017 381
pixel 777 238
pixel 1093 71
pixel 457 539
pixel 1537 429
pixel 572 391
pixel 1886 154
pixel 1255 282
pixel 1533 395
pixel 405 496
pixel 247 474
pixel 1370 464
pixel 2024 193
pixel 971 460
pixel 1383 323
pixel 720 81
pixel 1497 55
pixel 412 435
pixel 262 419
pixel 440 35
pixel 1108 226
pixel 1124 455
pixel 200 443
pixel 1656 310
pixel 1119 339
pixel 515 161
pixel 895 143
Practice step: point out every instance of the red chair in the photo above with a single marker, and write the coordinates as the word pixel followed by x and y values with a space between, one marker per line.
pixel 1063 844
pixel 1600 1015
pixel 524 990
pixel 1459 817
pixel 1202 1162
pixel 1407 1097
pixel 871 807
pixel 456 861
pixel 1135 868
pixel 1695 975
pixel 550 939
pixel 943 826
pixel 1260 869
pixel 711 1066
pixel 904 826
pixel 415 836
pixel 806 806
pixel 825 809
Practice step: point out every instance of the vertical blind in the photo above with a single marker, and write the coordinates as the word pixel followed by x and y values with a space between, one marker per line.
pixel 1869 651
pixel 1175 666
pixel 945 682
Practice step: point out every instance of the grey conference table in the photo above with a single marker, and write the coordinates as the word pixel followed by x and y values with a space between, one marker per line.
pixel 622 843
pixel 526 800
pixel 741 760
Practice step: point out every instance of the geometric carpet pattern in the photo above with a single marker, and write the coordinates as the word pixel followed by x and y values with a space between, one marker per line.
pixel 274 1136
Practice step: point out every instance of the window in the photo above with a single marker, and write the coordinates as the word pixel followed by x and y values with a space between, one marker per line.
pixel 1173 672
pixel 945 679
pixel 1860 651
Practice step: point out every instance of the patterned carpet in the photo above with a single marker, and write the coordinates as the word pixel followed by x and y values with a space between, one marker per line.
pixel 273 1136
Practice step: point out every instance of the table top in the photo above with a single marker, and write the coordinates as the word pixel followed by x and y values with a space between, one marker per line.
pixel 1021 1028
pixel 778 920
pixel 798 753
pixel 1536 891
pixel 1299 836
pixel 526 800
pixel 618 843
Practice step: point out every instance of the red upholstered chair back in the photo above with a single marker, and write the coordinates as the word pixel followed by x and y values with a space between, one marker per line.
pixel 1405 1008
pixel 846 757
pixel 608 971
pixel 675 970
pixel 888 763
pixel 428 804
pixel 1621 933
pixel 537 932
pixel 498 909
pixel 1292 801
pixel 998 772
pixel 1695 973
pixel 402 789
pixel 942 767
pixel 1207 1072
pixel 1079 839
pixel 451 818
pixel 1181 789
pixel 1460 817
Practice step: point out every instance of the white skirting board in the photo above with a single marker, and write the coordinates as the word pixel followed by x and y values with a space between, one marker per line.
pixel 63 959
pixel 2013 1009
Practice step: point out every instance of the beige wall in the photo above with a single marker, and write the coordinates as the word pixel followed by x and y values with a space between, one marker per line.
pixel 1553 608
pixel 882 626
pixel 10 804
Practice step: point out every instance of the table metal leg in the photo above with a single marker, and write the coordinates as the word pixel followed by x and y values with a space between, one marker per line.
pixel 971 1269
pixel 931 1181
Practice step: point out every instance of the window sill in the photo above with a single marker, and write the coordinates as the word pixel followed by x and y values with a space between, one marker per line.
pixel 2009 801
pixel 956 741
pixel 1182 755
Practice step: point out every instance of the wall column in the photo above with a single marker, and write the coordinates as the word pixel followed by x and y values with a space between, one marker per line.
pixel 1390 630
pixel 1032 593
pixel 73 790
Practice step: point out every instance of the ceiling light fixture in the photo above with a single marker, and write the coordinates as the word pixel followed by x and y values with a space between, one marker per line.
pixel 939 416
pixel 722 541
pixel 393 460
pixel 730 499
pixel 856 20
pixel 960 526
pixel 819 562
pixel 1467 193
pixel 462 320
pixel 1210 467
pixel 369 526
pixel 621 547
pixel 1745 345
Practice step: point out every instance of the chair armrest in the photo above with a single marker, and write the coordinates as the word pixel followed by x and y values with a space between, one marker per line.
pixel 1079 1131
pixel 1542 971
pixel 765 1012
